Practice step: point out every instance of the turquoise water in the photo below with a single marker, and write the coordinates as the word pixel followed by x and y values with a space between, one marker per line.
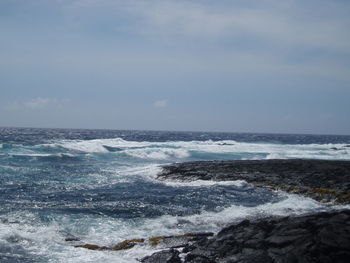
pixel 99 186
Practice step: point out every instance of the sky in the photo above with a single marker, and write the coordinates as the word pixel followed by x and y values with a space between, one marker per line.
pixel 195 65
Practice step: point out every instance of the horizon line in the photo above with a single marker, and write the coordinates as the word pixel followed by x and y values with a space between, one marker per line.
pixel 192 131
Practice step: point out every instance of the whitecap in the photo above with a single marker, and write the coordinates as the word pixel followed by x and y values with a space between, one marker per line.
pixel 48 239
pixel 205 183
pixel 158 153
pixel 174 150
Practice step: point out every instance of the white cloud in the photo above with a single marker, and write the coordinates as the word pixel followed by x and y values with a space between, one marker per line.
pixel 288 24
pixel 36 104
pixel 160 103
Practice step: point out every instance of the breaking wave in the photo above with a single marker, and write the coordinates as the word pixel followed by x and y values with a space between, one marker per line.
pixel 47 240
pixel 103 191
pixel 197 150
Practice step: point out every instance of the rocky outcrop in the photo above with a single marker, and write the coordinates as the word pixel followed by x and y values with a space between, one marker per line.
pixel 322 237
pixel 165 256
pixel 320 179
pixel 317 238
pixel 175 241
pixel 126 244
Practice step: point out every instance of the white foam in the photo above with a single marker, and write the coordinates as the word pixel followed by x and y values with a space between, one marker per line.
pixel 184 149
pixel 201 183
pixel 205 221
pixel 43 155
pixel 33 154
pixel 150 170
pixel 97 145
pixel 90 146
pixel 158 153
pixel 48 240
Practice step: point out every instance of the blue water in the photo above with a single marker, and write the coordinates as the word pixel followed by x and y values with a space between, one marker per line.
pixel 100 186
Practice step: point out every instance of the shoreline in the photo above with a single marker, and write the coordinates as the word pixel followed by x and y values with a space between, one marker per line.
pixel 313 237
pixel 318 237
pixel 322 180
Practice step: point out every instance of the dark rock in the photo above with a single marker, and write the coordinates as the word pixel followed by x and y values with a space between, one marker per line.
pixel 70 239
pixel 192 258
pixel 320 179
pixel 165 256
pixel 126 244
pixel 178 241
pixel 93 247
pixel 322 237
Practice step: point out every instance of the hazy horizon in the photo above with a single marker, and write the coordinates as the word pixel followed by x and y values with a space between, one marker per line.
pixel 185 131
pixel 225 66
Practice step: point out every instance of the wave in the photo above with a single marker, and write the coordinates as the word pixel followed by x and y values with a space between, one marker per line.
pixel 174 151
pixel 196 149
pixel 201 183
pixel 159 153
pixel 98 145
pixel 48 239
pixel 46 156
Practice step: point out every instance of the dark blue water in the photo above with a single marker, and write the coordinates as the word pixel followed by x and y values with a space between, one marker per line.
pixel 35 135
pixel 100 186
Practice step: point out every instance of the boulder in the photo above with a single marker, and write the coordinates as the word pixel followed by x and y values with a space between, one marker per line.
pixel 165 256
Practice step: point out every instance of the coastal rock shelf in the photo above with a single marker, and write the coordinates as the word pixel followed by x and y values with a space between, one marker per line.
pixel 322 237
pixel 322 180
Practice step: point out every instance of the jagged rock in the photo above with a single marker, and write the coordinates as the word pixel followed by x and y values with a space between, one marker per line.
pixel 320 179
pixel 93 247
pixel 126 244
pixel 177 240
pixel 322 237
pixel 165 256
pixel 71 239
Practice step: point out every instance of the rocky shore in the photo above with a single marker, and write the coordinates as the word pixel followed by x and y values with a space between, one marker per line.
pixel 320 237
pixel 314 238
pixel 322 180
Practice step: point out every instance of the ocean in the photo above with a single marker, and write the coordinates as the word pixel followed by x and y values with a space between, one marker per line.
pixel 100 187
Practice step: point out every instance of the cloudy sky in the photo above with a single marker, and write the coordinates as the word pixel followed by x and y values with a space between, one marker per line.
pixel 200 65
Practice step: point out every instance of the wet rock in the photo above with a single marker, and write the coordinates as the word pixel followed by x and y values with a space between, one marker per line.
pixel 177 241
pixel 322 237
pixel 165 256
pixel 322 180
pixel 93 247
pixel 71 239
pixel 126 244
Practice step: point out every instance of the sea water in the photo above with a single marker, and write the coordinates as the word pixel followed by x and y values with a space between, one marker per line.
pixel 100 187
